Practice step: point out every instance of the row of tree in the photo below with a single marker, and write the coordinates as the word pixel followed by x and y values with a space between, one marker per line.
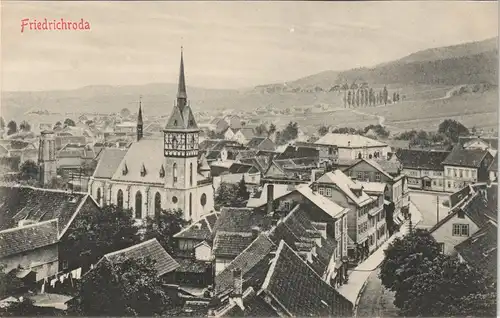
pixel 448 133
pixel 428 283
pixel 378 130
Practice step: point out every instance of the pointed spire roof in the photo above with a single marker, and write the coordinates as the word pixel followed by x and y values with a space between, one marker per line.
pixel 181 91
pixel 139 116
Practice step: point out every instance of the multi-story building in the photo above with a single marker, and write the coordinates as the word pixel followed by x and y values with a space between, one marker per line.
pixel 364 210
pixel 355 146
pixel 423 168
pixel 388 172
pixel 466 166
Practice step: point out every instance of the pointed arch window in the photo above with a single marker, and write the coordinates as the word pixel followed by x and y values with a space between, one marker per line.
pixel 143 171
pixel 157 204
pixel 174 142
pixel 125 169
pixel 191 173
pixel 138 205
pixel 190 205
pixel 119 199
pixel 99 196
pixel 174 172
pixel 162 172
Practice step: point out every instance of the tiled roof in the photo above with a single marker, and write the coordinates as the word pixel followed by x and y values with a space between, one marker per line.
pixel 260 162
pixel 255 142
pixel 298 152
pixel 241 220
pixel 164 263
pixel 422 159
pixel 242 168
pixel 248 132
pixel 345 184
pixel 261 200
pixel 134 159
pixel 349 141
pixel 254 306
pixel 480 250
pixel 373 187
pixel 328 206
pixel 26 203
pixel 299 290
pixel 491 141
pixel 465 157
pixel 200 230
pixel 257 252
pixel 108 163
pixel 190 265
pixel 227 244
pixel 27 238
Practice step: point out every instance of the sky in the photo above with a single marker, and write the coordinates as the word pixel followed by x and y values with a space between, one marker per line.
pixel 226 44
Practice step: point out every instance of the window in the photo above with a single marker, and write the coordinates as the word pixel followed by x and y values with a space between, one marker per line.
pixel 203 199
pixel 454 172
pixel 460 229
pixel 461 173
pixel 174 199
pixel 157 203
pixel 138 205
pixel 175 172
pixel 321 191
pixel 65 264
pixel 345 223
pixel 367 175
pixel 99 196
pixel 441 247
pixel 191 173
pixel 466 173
pixel 119 199
pixel 377 176
pixel 328 192
pixel 190 205
pixel 337 228
pixel 360 175
pixel 449 172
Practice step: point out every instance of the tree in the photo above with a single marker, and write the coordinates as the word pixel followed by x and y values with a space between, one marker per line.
pixel 25 126
pixel 290 132
pixel 453 129
pixel 2 123
pixel 125 112
pixel 128 287
pixel 398 252
pixel 385 95
pixel 261 130
pixel 69 122
pixel 11 127
pixel 242 190
pixel 97 232
pixel 323 130
pixel 163 226
pixel 228 195
pixel 29 170
pixel 349 99
pixel 57 125
pixel 272 129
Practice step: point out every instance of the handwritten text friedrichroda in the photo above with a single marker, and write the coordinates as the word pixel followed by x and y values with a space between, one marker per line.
pixel 53 25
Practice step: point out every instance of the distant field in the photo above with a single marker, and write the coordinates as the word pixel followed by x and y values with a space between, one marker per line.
pixel 478 110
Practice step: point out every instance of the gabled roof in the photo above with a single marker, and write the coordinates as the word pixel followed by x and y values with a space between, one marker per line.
pixel 345 184
pixel 254 306
pixel 422 159
pixel 467 140
pixel 255 142
pixel 465 157
pixel 299 291
pixel 374 164
pixel 261 200
pixel 247 132
pixel 349 141
pixel 292 152
pixel 260 162
pixel 328 206
pixel 480 250
pixel 27 238
pixel 229 244
pixel 164 263
pixel 201 229
pixel 242 168
pixel 241 220
pixel 494 164
pixel 181 119
pixel 373 187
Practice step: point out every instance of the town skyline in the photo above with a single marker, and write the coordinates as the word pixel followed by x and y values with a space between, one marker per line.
pixel 257 44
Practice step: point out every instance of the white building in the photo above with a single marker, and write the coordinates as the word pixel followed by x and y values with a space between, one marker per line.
pixel 355 146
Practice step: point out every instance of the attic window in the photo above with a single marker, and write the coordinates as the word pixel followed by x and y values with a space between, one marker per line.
pixel 162 172
pixel 175 122
pixel 125 169
pixel 143 170
pixel 191 123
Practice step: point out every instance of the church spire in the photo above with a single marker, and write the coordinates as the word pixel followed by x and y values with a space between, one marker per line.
pixel 181 91
pixel 139 120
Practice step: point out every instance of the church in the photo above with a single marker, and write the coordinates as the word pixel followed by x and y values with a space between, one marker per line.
pixel 154 174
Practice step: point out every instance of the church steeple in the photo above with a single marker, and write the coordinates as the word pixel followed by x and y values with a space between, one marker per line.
pixel 181 90
pixel 139 121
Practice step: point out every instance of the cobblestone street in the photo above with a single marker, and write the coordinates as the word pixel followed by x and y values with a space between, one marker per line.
pixel 376 301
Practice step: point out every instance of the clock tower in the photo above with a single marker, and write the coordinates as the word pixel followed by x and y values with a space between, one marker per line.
pixel 181 142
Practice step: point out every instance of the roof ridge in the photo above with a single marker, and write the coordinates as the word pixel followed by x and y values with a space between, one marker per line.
pixel 29 226
pixel 130 247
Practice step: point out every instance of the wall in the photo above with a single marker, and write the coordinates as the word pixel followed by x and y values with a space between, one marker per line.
pixel 221 263
pixel 44 258
pixel 203 252
pixel 457 177
pixel 352 153
pixel 443 234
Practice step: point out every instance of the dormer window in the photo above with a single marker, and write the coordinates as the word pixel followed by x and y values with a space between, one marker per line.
pixel 125 169
pixel 143 170
pixel 175 122
pixel 162 172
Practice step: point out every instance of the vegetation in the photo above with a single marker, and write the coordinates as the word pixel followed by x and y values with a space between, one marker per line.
pixel 2 123
pixel 69 122
pixel 290 132
pixel 127 288
pixel 428 283
pixel 261 130
pixel 97 232
pixel 323 130
pixel 164 226
pixel 24 126
pixel 11 127
pixel 28 170
pixel 231 195
pixel 453 129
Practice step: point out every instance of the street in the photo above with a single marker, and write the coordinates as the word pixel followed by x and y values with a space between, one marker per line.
pixel 376 301
pixel 425 202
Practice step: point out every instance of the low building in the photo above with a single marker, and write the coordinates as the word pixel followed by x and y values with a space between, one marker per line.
pixel 261 143
pixel 355 146
pixel 475 208
pixel 423 168
pixel 466 166
pixel 479 142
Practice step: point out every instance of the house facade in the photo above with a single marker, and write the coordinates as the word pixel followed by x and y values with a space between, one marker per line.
pixel 466 166
pixel 355 146
pixel 423 168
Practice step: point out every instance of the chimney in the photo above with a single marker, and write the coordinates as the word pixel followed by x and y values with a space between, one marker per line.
pixel 270 198
pixel 237 284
